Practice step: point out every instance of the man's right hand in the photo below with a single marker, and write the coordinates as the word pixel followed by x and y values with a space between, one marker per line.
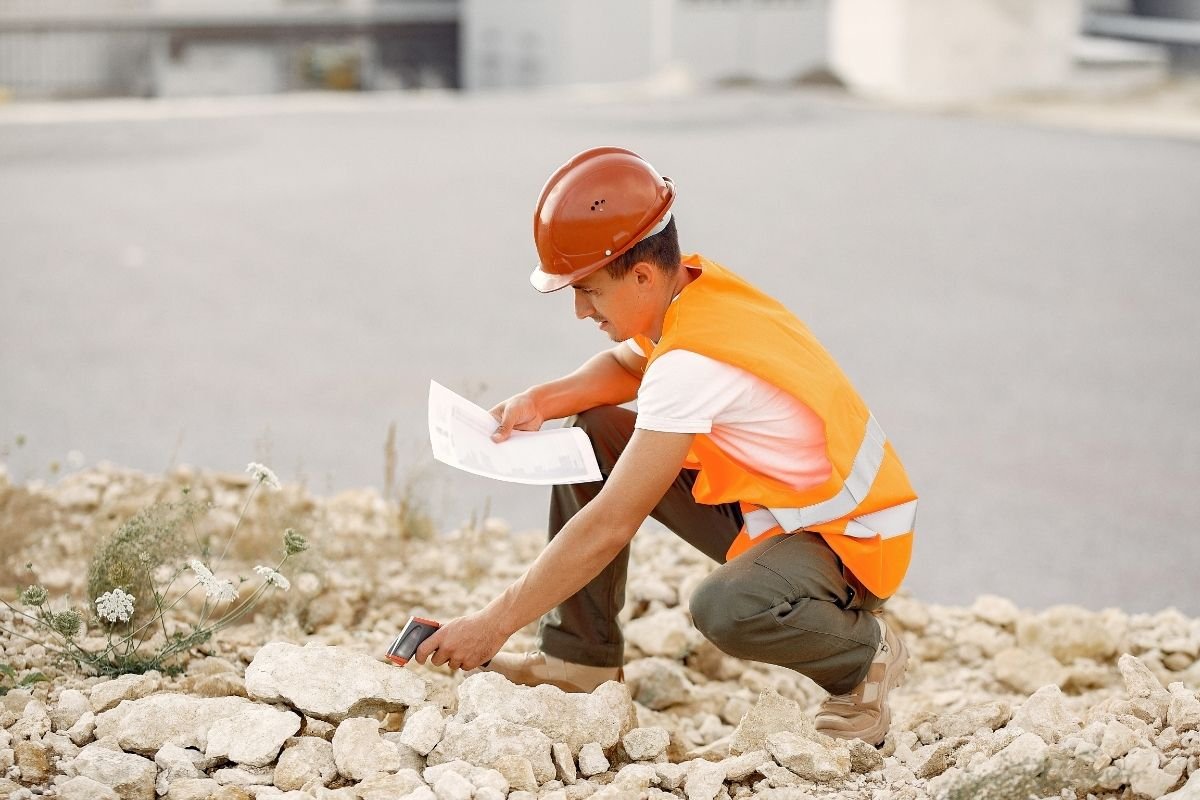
pixel 517 413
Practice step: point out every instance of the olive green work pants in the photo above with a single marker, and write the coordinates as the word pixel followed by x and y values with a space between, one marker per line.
pixel 786 601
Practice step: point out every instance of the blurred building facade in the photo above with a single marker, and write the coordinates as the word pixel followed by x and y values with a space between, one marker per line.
pixel 907 49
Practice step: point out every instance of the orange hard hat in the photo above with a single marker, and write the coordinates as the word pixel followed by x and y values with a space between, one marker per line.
pixel 595 207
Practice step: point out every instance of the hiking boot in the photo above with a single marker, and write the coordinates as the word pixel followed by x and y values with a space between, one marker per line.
pixel 536 668
pixel 863 713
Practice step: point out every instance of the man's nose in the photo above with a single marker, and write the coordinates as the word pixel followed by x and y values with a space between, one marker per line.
pixel 583 309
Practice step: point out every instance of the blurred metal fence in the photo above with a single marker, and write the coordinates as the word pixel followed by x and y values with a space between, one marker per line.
pixel 155 52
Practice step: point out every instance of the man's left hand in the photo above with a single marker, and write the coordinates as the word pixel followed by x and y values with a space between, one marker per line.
pixel 463 643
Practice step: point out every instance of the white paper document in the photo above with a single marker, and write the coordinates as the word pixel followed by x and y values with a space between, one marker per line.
pixel 461 435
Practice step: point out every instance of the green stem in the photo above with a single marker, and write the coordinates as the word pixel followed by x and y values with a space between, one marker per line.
pixel 239 523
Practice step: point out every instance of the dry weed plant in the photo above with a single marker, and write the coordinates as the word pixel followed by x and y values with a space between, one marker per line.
pixel 137 583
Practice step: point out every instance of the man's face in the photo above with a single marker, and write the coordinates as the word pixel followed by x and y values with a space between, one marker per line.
pixel 617 306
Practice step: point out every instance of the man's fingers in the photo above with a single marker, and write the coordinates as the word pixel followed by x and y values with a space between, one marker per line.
pixel 428 647
pixel 502 433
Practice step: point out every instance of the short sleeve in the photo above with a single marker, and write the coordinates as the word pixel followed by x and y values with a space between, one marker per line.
pixel 683 392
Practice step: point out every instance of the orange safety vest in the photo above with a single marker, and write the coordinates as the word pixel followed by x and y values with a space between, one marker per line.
pixel 866 510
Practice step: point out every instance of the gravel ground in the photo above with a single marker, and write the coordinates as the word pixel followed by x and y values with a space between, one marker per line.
pixel 1000 701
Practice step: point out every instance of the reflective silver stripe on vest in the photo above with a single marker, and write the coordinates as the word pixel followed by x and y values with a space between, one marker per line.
pixel 894 521
pixel 864 470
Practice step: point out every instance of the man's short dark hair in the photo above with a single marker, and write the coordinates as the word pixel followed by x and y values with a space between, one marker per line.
pixel 661 249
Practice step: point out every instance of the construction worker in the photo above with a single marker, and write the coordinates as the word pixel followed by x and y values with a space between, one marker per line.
pixel 748 442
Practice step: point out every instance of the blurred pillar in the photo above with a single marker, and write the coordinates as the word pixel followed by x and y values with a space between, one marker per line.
pixel 939 51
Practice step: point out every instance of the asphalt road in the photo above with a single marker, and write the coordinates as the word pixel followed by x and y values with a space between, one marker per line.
pixel 277 281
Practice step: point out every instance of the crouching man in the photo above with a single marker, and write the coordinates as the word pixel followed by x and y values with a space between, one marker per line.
pixel 748 442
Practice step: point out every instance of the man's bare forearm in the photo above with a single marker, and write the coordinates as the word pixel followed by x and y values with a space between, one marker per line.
pixel 572 558
pixel 601 381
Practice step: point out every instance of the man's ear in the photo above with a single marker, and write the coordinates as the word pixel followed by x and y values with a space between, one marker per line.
pixel 644 273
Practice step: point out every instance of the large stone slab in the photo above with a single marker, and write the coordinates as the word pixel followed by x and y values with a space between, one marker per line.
pixel 130 776
pixel 253 736
pixel 145 725
pixel 487 739
pixel 603 716
pixel 331 683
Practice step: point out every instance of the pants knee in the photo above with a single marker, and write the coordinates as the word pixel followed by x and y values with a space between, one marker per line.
pixel 714 613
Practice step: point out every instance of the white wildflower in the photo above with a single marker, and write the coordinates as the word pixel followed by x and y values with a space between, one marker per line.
pixel 222 591
pixel 263 473
pixel 115 606
pixel 274 578
pixel 219 590
pixel 203 573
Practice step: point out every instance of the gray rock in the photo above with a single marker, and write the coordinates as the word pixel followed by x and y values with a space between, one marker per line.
pixel 1141 768
pixel 389 787
pixel 646 744
pixel 452 786
pixel 34 722
pixel 671 776
pixel 658 683
pixel 130 776
pixel 330 683
pixel 933 759
pixel 84 728
pixel 480 777
pixel 423 729
pixel 1068 633
pixel 1118 740
pixel 815 759
pixel 1047 715
pixel 635 777
pixel 864 757
pixel 990 715
pixel 741 767
pixel 564 763
pixel 602 716
pixel 704 780
pixel 518 772
pixel 409 758
pixel 1028 670
pixel 359 751
pixel 1015 771
pixel 33 759
pixel 175 763
pixel 72 704
pixel 308 759
pixel 772 713
pixel 667 633
pixel 146 725
pixel 1189 791
pixel 109 694
pixel 487 738
pixel 592 760
pixel 1183 713
pixel 253 736
pixel 193 789
pixel 998 611
pixel 240 777
pixel 81 788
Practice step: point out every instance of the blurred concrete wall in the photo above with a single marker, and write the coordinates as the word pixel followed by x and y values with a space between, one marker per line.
pixel 950 50
pixel 523 43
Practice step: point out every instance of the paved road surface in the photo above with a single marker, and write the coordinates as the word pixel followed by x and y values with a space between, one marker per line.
pixel 1018 305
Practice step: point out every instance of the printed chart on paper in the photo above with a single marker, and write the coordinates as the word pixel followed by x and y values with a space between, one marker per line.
pixel 461 435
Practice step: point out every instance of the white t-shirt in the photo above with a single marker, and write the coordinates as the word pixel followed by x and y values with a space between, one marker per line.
pixel 754 422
